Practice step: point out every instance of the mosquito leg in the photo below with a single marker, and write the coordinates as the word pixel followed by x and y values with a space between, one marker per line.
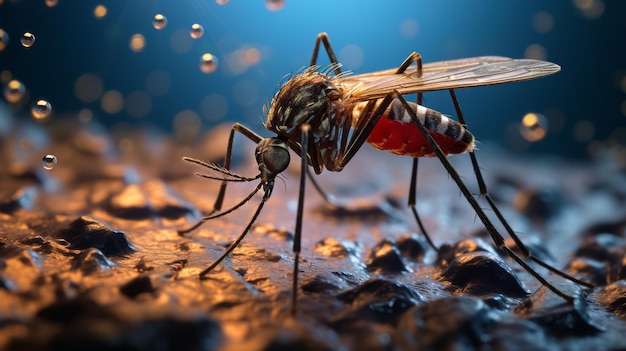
pixel 297 237
pixel 496 237
pixel 482 186
pixel 323 38
pixel 219 201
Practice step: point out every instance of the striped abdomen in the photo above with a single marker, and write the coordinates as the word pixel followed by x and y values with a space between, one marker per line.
pixel 396 133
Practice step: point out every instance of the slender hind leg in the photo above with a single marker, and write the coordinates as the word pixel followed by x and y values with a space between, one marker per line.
pixel 482 186
pixel 495 235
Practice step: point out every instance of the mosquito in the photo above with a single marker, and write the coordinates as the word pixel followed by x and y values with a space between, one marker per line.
pixel 325 115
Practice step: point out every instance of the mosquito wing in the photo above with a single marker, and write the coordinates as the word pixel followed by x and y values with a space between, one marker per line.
pixel 453 74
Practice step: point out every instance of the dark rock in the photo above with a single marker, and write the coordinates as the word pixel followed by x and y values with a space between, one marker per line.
pixel 271 231
pixel 455 323
pixel 149 200
pixel 412 247
pixel 617 228
pixel 560 317
pixel 19 269
pixel 92 260
pixel 86 232
pixel 447 253
pixel 539 204
pixel 337 248
pixel 385 257
pixel 83 324
pixel 294 337
pixel 589 270
pixel 321 284
pixel 377 300
pixel 518 335
pixel 613 298
pixel 137 286
pixel 20 198
pixel 482 273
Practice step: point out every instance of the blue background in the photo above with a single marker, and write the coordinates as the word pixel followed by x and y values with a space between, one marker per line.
pixel 71 42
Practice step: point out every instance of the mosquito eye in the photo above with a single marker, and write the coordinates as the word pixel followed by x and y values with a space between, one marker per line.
pixel 272 155
pixel 276 159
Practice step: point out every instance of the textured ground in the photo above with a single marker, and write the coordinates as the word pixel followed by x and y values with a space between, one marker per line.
pixel 90 257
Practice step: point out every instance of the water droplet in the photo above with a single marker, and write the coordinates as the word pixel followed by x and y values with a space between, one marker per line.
pixel 4 39
pixel 14 91
pixel 159 21
pixel 41 109
pixel 275 5
pixel 28 39
pixel 534 126
pixel 52 3
pixel 196 31
pixel 48 162
pixel 208 63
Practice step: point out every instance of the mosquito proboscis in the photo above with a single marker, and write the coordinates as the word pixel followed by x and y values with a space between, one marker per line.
pixel 325 115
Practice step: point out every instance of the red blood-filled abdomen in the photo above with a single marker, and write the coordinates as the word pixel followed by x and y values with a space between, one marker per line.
pixel 406 139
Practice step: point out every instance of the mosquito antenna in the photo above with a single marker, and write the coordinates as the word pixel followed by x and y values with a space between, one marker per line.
pixel 217 215
pixel 229 176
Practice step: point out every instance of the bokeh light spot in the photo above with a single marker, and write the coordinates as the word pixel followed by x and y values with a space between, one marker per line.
pixel 138 104
pixel 543 22
pixel 534 126
pixel 100 11
pixel 137 42
pixel 112 102
pixel 88 87
pixel 409 28
pixel 186 125
pixel 14 91
pixel 535 51
pixel 4 39
pixel 584 131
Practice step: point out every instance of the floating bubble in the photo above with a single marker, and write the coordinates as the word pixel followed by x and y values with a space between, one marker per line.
pixel 534 126
pixel 137 42
pixel 196 31
pixel 14 91
pixel 275 5
pixel 100 11
pixel 208 63
pixel 4 39
pixel 48 162
pixel 52 3
pixel 27 39
pixel 41 109
pixel 159 21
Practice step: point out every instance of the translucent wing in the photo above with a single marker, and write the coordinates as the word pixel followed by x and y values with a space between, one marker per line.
pixel 462 73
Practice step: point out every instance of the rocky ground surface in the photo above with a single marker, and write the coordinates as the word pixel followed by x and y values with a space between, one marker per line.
pixel 90 257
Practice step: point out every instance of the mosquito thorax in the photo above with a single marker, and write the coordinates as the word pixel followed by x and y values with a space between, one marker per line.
pixel 272 156
pixel 310 97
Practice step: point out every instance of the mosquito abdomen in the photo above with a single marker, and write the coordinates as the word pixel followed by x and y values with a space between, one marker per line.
pixel 395 132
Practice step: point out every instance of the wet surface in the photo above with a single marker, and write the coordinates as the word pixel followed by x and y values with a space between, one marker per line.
pixel 90 257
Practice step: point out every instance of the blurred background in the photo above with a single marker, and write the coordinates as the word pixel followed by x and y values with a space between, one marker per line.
pixel 186 66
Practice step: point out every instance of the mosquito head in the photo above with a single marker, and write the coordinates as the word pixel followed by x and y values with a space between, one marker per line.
pixel 272 156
